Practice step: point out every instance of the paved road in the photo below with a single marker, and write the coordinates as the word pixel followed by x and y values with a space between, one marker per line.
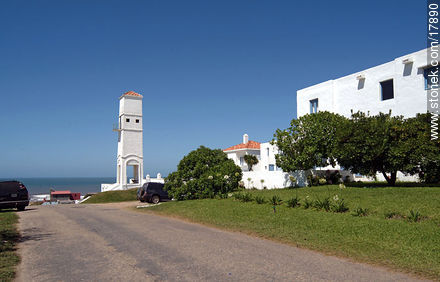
pixel 110 243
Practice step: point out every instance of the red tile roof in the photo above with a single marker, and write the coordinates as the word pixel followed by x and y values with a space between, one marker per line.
pixel 248 145
pixel 67 192
pixel 132 93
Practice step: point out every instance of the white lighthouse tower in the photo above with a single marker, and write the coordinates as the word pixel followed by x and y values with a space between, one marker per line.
pixel 130 153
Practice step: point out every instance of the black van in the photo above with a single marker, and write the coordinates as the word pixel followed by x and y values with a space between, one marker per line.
pixel 13 194
pixel 152 192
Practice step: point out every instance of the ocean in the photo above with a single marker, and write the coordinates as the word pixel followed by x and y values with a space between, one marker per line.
pixel 84 185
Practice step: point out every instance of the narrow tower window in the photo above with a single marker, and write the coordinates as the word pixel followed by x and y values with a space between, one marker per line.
pixel 137 121
pixel 127 120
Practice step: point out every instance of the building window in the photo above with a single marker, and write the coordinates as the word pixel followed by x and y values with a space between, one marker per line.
pixel 137 121
pixel 267 149
pixel 387 89
pixel 313 106
pixel 127 120
pixel 271 167
pixel 241 161
pixel 428 81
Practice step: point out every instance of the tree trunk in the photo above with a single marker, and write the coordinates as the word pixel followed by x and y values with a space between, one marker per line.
pixel 391 180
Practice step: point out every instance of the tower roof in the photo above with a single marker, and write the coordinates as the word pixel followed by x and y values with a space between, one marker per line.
pixel 132 93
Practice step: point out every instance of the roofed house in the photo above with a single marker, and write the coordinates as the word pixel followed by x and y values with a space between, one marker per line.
pixel 265 174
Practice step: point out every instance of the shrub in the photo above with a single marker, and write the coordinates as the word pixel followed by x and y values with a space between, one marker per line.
pixel 203 173
pixel 340 206
pixel 307 203
pixel 414 216
pixel 276 200
pixel 322 204
pixel 292 181
pixel 361 212
pixel 332 177
pixel 260 200
pixel 322 181
pixel 293 202
pixel 246 197
pixel 238 196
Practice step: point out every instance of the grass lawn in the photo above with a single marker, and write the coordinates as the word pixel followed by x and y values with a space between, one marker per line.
pixel 113 196
pixel 397 243
pixel 8 238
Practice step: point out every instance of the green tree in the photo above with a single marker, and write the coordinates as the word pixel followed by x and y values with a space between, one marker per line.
pixel 424 153
pixel 203 173
pixel 383 143
pixel 250 160
pixel 308 142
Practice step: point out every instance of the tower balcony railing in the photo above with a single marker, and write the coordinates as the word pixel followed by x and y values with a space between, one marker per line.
pixel 116 127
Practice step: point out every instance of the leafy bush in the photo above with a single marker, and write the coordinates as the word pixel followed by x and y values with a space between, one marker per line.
pixel 276 200
pixel 322 204
pixel 260 200
pixel 203 173
pixel 414 216
pixel 237 196
pixel 322 181
pixel 246 197
pixel 361 212
pixel 293 202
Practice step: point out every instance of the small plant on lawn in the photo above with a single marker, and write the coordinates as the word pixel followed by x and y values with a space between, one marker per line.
pixel 249 181
pixel 322 181
pixel 262 182
pixel 342 186
pixel 222 196
pixel 308 203
pixel 246 197
pixel 260 200
pixel 322 204
pixel 361 212
pixel 339 205
pixel 238 196
pixel 275 201
pixel 414 216
pixel 393 215
pixel 293 202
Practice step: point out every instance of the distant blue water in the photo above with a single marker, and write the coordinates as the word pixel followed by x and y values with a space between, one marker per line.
pixel 74 184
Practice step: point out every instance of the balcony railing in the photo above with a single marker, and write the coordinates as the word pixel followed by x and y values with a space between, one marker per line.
pixel 116 127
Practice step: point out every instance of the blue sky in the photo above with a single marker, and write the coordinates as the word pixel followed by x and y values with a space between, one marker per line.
pixel 209 72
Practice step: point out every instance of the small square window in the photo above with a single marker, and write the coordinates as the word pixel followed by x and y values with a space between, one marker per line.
pixel 387 89
pixel 271 167
pixel 127 120
pixel 313 106
pixel 137 121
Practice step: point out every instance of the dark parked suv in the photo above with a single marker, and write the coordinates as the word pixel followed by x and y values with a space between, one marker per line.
pixel 152 192
pixel 13 194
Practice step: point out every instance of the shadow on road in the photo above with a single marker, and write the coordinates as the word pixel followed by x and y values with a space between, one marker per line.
pixel 33 234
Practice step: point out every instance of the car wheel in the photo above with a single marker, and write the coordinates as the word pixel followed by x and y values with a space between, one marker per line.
pixel 21 208
pixel 155 199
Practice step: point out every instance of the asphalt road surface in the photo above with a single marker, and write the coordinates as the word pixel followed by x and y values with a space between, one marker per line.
pixel 111 243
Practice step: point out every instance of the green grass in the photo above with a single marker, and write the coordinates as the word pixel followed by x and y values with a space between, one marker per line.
pixel 8 239
pixel 396 243
pixel 113 196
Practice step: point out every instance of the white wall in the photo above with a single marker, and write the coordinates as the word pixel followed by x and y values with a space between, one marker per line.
pixel 347 93
pixel 272 179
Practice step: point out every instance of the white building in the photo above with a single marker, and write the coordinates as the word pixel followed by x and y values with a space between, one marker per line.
pixel 399 85
pixel 265 169
pixel 130 145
